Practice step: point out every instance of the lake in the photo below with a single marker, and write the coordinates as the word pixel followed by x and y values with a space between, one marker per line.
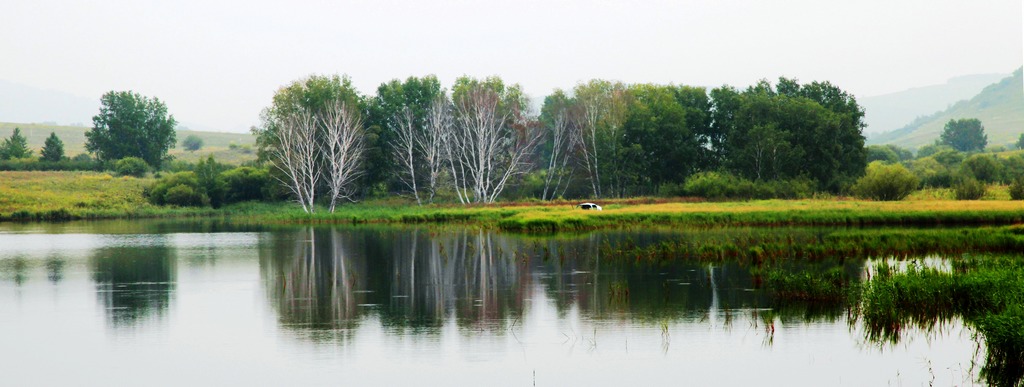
pixel 180 303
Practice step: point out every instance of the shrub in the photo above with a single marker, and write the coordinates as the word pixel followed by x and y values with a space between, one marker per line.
pixel 1017 189
pixel 131 166
pixel 209 173
pixel 983 167
pixel 886 182
pixel 181 188
pixel 931 173
pixel 950 158
pixel 183 195
pixel 882 153
pixel 968 188
pixel 246 183
pixel 712 185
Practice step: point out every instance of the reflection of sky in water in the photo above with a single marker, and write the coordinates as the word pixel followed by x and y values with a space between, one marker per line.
pixel 396 308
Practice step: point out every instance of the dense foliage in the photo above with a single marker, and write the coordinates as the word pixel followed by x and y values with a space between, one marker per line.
pixel 131 166
pixel 886 182
pixel 964 135
pixel 131 125
pixel 211 183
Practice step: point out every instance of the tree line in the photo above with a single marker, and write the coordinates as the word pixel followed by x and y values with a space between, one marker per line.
pixel 601 139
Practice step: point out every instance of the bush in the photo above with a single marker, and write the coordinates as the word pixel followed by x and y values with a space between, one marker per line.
pixel 931 173
pixel 713 185
pixel 720 185
pixel 180 189
pixel 886 182
pixel 983 167
pixel 1017 189
pixel 246 183
pixel 798 188
pixel 36 165
pixel 131 166
pixel 183 195
pixel 968 188
pixel 882 153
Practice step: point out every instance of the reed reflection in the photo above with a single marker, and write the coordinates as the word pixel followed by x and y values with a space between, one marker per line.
pixel 134 283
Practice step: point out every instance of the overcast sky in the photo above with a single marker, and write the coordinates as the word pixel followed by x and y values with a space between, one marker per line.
pixel 218 63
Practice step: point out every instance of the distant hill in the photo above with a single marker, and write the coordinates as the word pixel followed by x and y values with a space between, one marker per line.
pixel 21 103
pixel 226 147
pixel 892 111
pixel 1000 107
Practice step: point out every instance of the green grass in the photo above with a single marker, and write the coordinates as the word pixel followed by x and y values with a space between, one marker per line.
pixel 985 291
pixel 87 195
pixel 78 195
pixel 214 143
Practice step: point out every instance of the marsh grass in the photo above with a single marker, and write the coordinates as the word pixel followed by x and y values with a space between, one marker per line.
pixel 983 290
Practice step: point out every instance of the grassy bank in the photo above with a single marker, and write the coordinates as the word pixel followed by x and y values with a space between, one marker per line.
pixel 88 195
pixel 52 196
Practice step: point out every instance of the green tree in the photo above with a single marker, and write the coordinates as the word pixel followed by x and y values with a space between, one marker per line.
pixel 932 149
pixel 131 125
pixel 656 123
pixel 192 143
pixel 15 147
pixel 1020 141
pixel 312 94
pixel 882 153
pixel 965 135
pixel 53 148
pixel 393 97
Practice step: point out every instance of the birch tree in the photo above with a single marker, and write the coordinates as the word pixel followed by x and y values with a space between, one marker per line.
pixel 490 142
pixel 295 154
pixel 431 141
pixel 342 148
pixel 563 139
pixel 403 148
pixel 603 108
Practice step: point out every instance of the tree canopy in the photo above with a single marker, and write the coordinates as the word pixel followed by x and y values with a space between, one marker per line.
pixel 131 125
pixel 965 135
pixel 192 143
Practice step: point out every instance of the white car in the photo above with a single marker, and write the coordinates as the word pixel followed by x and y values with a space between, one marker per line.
pixel 589 206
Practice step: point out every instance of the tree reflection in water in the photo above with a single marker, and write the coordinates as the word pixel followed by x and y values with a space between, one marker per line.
pixel 134 283
pixel 325 282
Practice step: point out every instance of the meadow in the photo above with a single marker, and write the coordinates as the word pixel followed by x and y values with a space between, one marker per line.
pixel 233 148
pixel 87 195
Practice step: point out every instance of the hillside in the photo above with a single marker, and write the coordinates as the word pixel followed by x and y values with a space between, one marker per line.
pixel 23 103
pixel 892 111
pixel 1000 107
pixel 218 144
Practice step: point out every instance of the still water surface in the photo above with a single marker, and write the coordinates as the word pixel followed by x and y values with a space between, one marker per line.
pixel 143 303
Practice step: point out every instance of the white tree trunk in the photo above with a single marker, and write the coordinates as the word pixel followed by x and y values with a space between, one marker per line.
pixel 342 149
pixel 295 155
pixel 404 148
pixel 431 141
pixel 486 149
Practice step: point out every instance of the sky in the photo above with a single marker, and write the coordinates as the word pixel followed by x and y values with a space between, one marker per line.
pixel 218 63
